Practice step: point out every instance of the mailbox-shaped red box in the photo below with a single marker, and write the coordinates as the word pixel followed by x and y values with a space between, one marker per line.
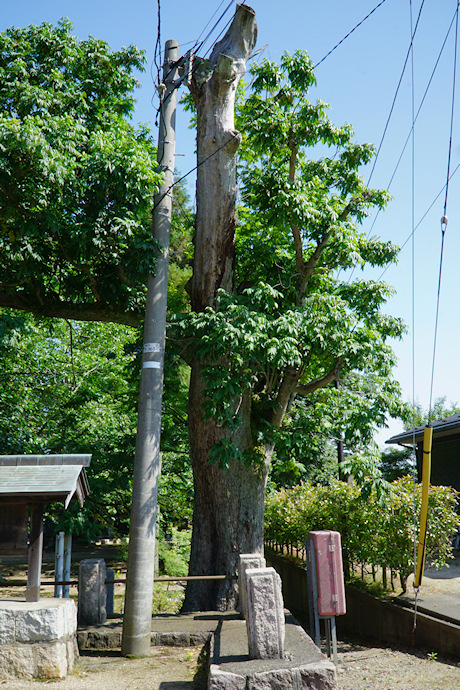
pixel 329 572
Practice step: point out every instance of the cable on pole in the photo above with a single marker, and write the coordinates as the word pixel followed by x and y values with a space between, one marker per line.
pixel 412 134
pixel 444 219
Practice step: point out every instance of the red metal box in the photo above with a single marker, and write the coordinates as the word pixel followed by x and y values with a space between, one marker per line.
pixel 327 549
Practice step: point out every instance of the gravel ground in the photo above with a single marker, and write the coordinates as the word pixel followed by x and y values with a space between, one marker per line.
pixel 376 668
pixel 172 668
pixel 166 668
pixel 361 667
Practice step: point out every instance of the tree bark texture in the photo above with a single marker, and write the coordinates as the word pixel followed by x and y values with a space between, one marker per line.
pixel 229 503
pixel 214 87
pixel 228 508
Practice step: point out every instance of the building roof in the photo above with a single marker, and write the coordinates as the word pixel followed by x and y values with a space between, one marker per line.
pixel 46 478
pixel 443 428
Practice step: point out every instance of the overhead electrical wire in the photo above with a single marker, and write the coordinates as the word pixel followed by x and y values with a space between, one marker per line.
pixel 348 34
pixel 388 186
pixel 198 45
pixel 412 134
pixel 396 93
pixel 385 129
pixel 422 218
pixel 444 216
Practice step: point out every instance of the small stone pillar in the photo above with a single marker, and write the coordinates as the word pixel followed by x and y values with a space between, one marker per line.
pixel 110 592
pixel 247 561
pixel 92 592
pixel 265 622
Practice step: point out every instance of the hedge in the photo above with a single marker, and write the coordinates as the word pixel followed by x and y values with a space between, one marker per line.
pixel 374 533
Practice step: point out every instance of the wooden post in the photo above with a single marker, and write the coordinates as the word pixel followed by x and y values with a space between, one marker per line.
pixel 35 553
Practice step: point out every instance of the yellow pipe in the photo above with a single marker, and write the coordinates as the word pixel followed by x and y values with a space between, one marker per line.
pixel 426 473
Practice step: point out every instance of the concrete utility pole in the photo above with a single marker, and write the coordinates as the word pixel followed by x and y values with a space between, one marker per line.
pixel 147 464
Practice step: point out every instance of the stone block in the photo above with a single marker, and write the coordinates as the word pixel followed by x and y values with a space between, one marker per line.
pixel 39 639
pixel 265 622
pixel 72 653
pixel 174 639
pixel 276 679
pixel 51 660
pixel 17 662
pixel 7 627
pixel 40 623
pixel 247 561
pixel 319 676
pixel 222 680
pixel 70 617
pixel 110 591
pixel 92 592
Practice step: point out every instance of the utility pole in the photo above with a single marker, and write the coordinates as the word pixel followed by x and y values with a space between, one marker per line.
pixel 137 617
pixel 339 443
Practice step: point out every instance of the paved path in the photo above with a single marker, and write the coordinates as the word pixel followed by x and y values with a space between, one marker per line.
pixel 439 593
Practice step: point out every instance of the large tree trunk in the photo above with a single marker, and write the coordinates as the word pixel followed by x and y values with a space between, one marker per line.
pixel 228 509
pixel 229 503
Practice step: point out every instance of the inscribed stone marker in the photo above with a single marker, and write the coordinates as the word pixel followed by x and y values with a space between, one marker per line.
pixel 265 622
pixel 247 561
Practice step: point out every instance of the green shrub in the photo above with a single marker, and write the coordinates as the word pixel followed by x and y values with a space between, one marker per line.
pixel 174 554
pixel 374 532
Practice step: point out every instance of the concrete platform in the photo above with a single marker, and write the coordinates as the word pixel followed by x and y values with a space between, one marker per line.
pixel 179 630
pixel 230 665
pixel 231 668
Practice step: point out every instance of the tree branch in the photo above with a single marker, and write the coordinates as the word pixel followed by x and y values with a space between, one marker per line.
pixel 312 386
pixel 308 267
pixel 68 310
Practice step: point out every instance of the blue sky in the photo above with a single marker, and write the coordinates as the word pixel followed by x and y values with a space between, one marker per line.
pixel 358 80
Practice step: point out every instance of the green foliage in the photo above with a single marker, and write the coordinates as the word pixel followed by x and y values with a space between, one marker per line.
pixel 175 496
pixel 295 322
pixel 365 470
pixel 174 553
pixel 166 600
pixel 415 415
pixel 373 532
pixel 396 463
pixel 72 387
pixel 65 390
pixel 76 178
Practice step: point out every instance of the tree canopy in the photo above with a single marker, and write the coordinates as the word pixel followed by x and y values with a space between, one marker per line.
pixel 76 178
pixel 295 321
pixel 277 317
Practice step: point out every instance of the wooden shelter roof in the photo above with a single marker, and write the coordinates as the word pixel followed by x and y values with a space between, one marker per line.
pixel 44 478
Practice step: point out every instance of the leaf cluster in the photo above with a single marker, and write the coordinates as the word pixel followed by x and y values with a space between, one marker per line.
pixel 76 178
pixel 295 323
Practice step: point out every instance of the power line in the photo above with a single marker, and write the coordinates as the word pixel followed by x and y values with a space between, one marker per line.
pixel 444 217
pixel 421 219
pixel 348 34
pixel 388 186
pixel 408 54
pixel 210 20
pixel 396 93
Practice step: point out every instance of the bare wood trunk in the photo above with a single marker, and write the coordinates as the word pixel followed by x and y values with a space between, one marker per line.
pixel 214 88
pixel 229 503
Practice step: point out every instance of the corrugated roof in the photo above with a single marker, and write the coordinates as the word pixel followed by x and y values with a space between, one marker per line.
pixel 44 477
pixel 441 428
pixel 67 459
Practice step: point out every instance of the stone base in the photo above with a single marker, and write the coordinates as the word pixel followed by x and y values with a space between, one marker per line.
pixel 37 639
pixel 303 665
